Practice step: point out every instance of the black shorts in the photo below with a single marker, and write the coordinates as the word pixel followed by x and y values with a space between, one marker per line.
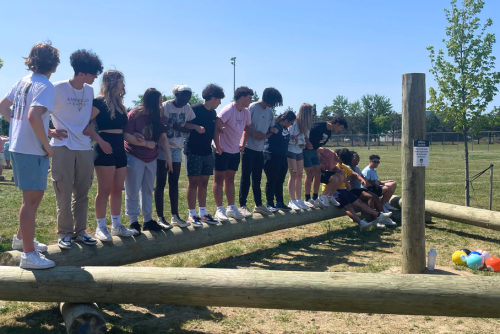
pixel 377 190
pixel 226 161
pixel 118 158
pixel 358 192
pixel 344 197
pixel 295 156
pixel 197 165
pixel 325 176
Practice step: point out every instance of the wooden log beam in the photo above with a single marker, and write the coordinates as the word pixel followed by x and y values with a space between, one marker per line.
pixel 82 318
pixel 433 295
pixel 151 245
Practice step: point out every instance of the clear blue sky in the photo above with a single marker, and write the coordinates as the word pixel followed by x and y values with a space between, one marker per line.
pixel 311 51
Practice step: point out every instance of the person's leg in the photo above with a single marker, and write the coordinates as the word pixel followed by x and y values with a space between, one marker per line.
pixel 115 199
pixel 147 186
pixel 63 178
pixel 133 181
pixel 271 169
pixel 229 186
pixel 192 190
pixel 308 181
pixel 317 179
pixel 247 162
pixel 202 190
pixel 27 214
pixel 349 210
pixel 258 165
pixel 388 190
pixel 372 200
pixel 366 209
pixel 281 176
pixel 218 186
pixel 298 179
pixel 292 164
pixel 173 187
pixel 84 174
pixel 105 183
pixel 161 181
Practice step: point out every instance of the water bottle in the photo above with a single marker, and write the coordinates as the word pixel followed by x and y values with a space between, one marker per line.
pixel 431 262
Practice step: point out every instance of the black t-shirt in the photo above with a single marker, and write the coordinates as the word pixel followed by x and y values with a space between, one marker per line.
pixel 103 119
pixel 201 144
pixel 319 134
pixel 278 142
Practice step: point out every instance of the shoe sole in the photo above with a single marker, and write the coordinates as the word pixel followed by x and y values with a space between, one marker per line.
pixel 222 220
pixel 105 240
pixel 237 218
pixel 37 267
pixel 64 247
pixel 263 213
pixel 196 225
pixel 86 242
pixel 211 222
pixel 166 227
pixel 284 209
pixel 37 249
pixel 121 235
pixel 180 225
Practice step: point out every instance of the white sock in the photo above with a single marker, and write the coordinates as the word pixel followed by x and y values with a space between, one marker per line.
pixel 192 213
pixel 220 208
pixel 202 211
pixel 101 222
pixel 116 221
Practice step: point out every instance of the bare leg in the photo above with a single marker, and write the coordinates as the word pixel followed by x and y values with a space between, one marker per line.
pixel 317 178
pixel 202 190
pixel 352 214
pixel 292 168
pixel 218 186
pixel 27 214
pixel 229 186
pixel 298 179
pixel 115 199
pixel 372 199
pixel 105 180
pixel 192 189
pixel 388 190
pixel 366 209
pixel 308 180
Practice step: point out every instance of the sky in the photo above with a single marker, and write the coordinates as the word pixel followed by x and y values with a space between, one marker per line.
pixel 311 51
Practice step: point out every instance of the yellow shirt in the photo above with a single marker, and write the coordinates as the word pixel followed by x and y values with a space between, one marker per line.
pixel 347 174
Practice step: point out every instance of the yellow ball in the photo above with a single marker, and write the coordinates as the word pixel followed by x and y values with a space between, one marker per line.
pixel 459 257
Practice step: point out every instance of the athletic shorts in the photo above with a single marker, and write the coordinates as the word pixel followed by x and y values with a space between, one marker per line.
pixel 226 161
pixel 295 156
pixel 358 192
pixel 2 159
pixel 310 158
pixel 344 197
pixel 325 176
pixel 118 158
pixel 376 190
pixel 197 165
pixel 30 171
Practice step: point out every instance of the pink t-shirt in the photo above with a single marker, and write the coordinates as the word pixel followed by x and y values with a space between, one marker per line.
pixel 234 122
pixel 141 124
pixel 329 160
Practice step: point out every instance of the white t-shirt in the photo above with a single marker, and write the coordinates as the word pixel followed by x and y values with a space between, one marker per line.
pixel 177 116
pixel 33 90
pixel 66 115
pixel 292 146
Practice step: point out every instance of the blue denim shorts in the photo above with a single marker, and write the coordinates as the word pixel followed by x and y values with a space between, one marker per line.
pixel 310 158
pixel 30 171
pixel 176 154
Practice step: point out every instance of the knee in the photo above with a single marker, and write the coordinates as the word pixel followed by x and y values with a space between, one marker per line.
pixel 105 191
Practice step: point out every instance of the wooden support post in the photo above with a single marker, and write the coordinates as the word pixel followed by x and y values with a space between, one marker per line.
pixel 82 318
pixel 413 178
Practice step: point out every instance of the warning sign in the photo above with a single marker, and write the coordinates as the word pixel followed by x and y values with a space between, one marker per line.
pixel 420 153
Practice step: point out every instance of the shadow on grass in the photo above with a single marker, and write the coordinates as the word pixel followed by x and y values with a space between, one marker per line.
pixel 463 234
pixel 40 321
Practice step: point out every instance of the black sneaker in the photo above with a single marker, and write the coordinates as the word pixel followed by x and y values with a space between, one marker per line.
pixel 282 207
pixel 152 225
pixel 209 219
pixel 136 227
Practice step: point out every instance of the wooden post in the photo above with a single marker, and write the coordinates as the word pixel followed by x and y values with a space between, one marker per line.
pixel 413 178
pixel 82 318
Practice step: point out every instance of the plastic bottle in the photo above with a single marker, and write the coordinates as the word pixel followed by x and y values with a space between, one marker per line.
pixel 431 262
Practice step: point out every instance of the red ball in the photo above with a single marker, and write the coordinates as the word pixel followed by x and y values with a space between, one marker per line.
pixel 493 263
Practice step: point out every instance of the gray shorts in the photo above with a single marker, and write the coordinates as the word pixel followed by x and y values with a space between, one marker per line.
pixel 197 165
pixel 295 156
pixel 30 171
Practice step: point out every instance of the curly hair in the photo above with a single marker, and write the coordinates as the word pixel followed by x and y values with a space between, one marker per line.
pixel 345 155
pixel 212 90
pixel 43 58
pixel 86 62
pixel 339 119
pixel 272 97
pixel 242 92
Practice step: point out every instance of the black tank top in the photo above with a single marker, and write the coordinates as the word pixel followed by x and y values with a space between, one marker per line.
pixel 103 119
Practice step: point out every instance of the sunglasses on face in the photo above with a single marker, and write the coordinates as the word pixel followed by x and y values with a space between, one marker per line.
pixel 375 161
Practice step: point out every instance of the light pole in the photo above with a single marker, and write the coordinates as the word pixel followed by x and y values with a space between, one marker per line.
pixel 368 130
pixel 233 62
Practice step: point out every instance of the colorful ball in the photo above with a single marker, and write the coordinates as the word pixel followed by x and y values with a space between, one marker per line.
pixel 459 257
pixel 466 251
pixel 493 263
pixel 475 261
pixel 484 254
pixel 475 252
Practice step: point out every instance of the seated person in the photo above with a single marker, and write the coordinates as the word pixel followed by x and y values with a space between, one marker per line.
pixel 381 188
pixel 348 199
pixel 331 176
pixel 357 182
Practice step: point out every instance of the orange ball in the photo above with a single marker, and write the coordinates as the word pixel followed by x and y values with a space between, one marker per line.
pixel 493 263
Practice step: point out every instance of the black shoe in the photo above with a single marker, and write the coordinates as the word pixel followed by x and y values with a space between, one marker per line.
pixel 282 207
pixel 152 225
pixel 136 227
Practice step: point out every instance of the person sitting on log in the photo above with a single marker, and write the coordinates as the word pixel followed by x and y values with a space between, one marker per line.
pixel 381 188
pixel 331 176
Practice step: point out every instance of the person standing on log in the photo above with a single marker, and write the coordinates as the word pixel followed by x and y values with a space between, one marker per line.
pixel 73 162
pixel 229 128
pixel 32 100
pixel 177 114
pixel 381 188
pixel 199 157
pixel 252 157
pixel 318 136
pixel 142 134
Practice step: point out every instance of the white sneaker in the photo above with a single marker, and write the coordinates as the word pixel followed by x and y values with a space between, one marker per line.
pixel 221 216
pixel 389 222
pixel 35 260
pixel 245 212
pixel 271 208
pixel 294 205
pixel 121 231
pixel 364 225
pixel 234 213
pixel 177 221
pixel 17 244
pixel 303 205
pixel 383 216
pixel 262 210
pixel 332 200
pixel 103 234
pixel 384 209
pixel 380 226
pixel 310 203
pixel 324 200
pixel 388 206
pixel 320 203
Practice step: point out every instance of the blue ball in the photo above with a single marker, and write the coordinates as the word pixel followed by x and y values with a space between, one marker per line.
pixel 474 252
pixel 475 261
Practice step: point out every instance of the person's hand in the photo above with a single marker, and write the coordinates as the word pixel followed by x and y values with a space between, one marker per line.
pixel 342 171
pixel 105 147
pixel 200 129
pixel 242 148
pixel 150 144
pixel 49 150
pixel 177 126
pixel 222 130
pixel 295 139
pixel 363 182
pixel 302 146
pixel 60 134
pixel 168 165
pixel 309 146
pixel 274 130
pixel 139 136
pixel 258 135
pixel 218 149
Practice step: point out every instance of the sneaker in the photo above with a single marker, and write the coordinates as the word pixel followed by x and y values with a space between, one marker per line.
pixel 65 242
pixel 17 244
pixel 320 203
pixel 281 206
pixel 163 223
pixel 389 222
pixel 177 221
pixel 208 219
pixel 103 234
pixel 136 228
pixel 384 209
pixel 195 221
pixel 333 201
pixel 302 205
pixel 262 210
pixel 271 208
pixel 324 201
pixel 35 260
pixel 311 203
pixel 235 213
pixel 244 211
pixel 383 216
pixel 364 225
pixel 151 225
pixel 380 226
pixel 294 206
pixel 86 239
pixel 221 216
pixel 121 231
pixel 388 206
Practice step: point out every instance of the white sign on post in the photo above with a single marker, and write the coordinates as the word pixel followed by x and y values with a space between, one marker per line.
pixel 420 153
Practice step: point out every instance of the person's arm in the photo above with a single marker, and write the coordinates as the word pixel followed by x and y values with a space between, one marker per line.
pixel 256 134
pixel 244 140
pixel 219 128
pixel 272 131
pixel 5 105
pixel 35 118
pixel 163 141
pixel 190 126
pixel 184 129
pixel 308 143
pixel 130 138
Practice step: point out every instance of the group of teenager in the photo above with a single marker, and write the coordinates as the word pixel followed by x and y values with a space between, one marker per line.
pixel 134 149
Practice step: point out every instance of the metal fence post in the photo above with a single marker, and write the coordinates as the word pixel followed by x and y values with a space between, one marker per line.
pixel 491 185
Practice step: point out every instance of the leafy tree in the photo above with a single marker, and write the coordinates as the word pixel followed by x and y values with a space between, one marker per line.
pixel 195 99
pixel 465 79
pixel 255 97
pixel 315 113
pixel 1 63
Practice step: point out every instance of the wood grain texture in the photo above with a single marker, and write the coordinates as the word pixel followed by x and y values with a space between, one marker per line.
pixel 82 318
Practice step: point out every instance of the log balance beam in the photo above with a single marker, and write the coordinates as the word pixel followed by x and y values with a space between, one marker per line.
pixel 433 295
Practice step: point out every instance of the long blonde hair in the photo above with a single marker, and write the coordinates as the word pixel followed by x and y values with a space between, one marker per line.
pixel 112 98
pixel 304 118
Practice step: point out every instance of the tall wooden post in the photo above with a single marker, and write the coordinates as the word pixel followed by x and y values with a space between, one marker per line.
pixel 413 209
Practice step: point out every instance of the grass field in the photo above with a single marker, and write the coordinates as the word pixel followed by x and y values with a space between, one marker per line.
pixel 335 245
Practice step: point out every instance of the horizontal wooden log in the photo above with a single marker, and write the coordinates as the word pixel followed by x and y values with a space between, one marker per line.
pixel 149 245
pixel 82 318
pixel 434 295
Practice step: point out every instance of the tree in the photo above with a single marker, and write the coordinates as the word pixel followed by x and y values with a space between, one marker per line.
pixel 195 99
pixel 465 79
pixel 255 97
pixel 1 63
